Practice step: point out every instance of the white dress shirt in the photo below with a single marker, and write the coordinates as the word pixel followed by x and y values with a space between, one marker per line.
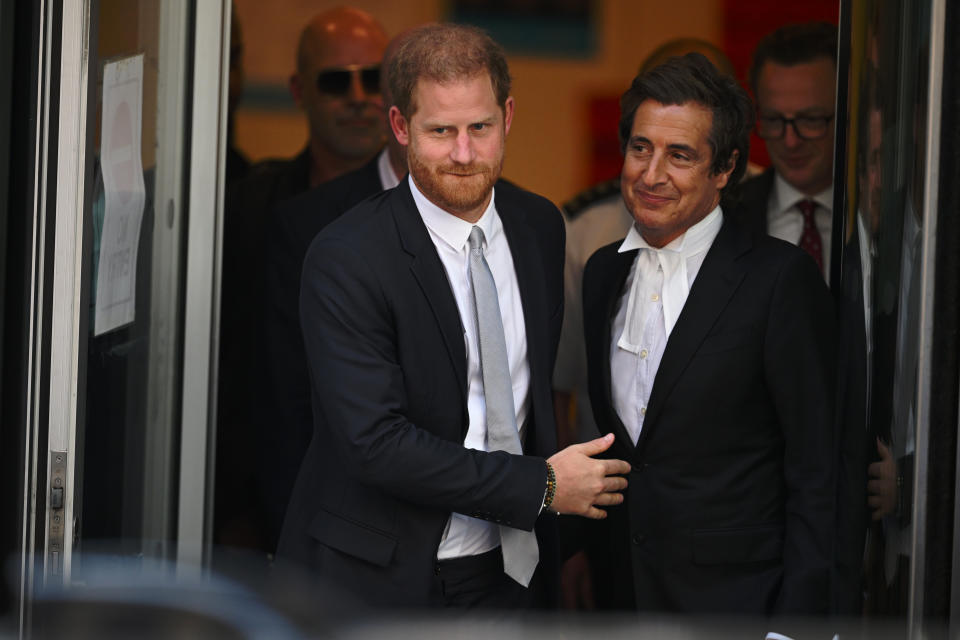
pixel 785 221
pixel 466 536
pixel 388 177
pixel 637 342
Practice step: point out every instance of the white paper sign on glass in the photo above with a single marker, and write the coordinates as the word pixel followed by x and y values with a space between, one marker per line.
pixel 124 193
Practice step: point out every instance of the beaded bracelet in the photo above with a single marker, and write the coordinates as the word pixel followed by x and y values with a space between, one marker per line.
pixel 551 487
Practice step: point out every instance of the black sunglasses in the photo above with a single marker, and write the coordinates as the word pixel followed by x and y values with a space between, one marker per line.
pixel 336 82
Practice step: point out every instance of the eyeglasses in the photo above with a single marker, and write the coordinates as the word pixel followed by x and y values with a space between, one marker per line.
pixel 336 82
pixel 806 127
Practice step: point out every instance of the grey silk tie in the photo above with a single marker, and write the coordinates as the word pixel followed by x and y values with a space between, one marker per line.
pixel 520 551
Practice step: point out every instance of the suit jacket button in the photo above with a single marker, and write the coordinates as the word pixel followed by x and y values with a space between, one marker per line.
pixel 638 538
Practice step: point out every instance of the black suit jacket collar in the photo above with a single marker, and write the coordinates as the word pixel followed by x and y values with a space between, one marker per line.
pixel 612 284
pixel 528 266
pixel 750 200
pixel 371 172
pixel 718 278
pixel 430 274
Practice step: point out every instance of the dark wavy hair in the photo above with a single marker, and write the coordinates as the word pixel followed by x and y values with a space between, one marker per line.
pixel 794 44
pixel 445 53
pixel 693 79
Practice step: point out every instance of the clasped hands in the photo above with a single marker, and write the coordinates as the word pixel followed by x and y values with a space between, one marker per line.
pixel 584 483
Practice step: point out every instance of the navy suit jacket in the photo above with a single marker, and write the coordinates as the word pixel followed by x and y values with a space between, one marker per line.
pixel 731 496
pixel 285 420
pixel 388 370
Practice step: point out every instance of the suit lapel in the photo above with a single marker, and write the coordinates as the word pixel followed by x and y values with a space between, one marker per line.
pixel 528 265
pixel 718 278
pixel 613 283
pixel 432 278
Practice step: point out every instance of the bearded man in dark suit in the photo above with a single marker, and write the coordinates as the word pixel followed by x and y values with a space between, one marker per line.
pixel 430 315
pixel 710 355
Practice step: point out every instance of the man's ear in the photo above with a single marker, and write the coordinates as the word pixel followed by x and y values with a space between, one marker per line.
pixel 400 126
pixel 724 176
pixel 508 107
pixel 295 89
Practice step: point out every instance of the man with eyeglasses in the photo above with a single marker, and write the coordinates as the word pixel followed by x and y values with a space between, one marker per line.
pixel 793 78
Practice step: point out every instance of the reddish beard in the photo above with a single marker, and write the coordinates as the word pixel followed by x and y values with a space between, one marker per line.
pixel 456 188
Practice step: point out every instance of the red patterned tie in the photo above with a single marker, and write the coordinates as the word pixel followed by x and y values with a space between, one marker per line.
pixel 810 240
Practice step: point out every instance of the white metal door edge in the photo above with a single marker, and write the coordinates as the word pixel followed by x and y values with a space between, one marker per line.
pixel 924 372
pixel 202 287
pixel 67 272
pixel 159 517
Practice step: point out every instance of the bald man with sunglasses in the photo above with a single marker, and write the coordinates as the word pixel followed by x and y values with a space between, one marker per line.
pixel 336 83
pixel 286 423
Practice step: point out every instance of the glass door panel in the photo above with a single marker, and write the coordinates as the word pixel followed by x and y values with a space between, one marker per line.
pixel 128 460
pixel 886 291
pixel 111 348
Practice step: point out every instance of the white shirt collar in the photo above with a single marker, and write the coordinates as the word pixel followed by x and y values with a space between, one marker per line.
pixel 452 230
pixel 787 195
pixel 388 177
pixel 680 261
pixel 694 240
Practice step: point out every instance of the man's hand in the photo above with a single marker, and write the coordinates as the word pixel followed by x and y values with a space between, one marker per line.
pixel 882 486
pixel 583 483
